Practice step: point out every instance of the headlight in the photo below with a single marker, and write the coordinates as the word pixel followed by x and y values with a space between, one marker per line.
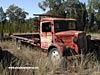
pixel 75 40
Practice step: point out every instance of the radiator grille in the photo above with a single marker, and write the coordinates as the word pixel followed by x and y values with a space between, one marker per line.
pixel 82 43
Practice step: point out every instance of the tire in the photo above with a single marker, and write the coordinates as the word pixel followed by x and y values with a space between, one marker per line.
pixel 54 56
pixel 57 59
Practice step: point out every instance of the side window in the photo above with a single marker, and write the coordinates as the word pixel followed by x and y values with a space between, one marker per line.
pixel 46 27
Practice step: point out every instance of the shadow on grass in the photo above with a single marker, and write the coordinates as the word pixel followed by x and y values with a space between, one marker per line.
pixel 7 59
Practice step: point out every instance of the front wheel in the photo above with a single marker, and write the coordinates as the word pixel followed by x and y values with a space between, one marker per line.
pixel 56 58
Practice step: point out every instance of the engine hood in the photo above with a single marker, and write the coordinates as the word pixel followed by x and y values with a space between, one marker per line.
pixel 71 32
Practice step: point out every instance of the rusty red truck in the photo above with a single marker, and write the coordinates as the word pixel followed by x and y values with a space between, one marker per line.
pixel 58 36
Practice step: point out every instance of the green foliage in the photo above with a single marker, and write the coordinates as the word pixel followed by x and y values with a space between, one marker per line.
pixel 55 6
pixel 88 16
pixel 2 15
pixel 66 9
pixel 17 22
pixel 15 13
pixel 15 28
pixel 93 12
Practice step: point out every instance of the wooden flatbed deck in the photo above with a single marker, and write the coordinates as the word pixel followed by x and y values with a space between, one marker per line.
pixel 26 37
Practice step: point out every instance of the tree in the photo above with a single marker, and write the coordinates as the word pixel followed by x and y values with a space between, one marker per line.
pixel 55 7
pixel 93 11
pixel 2 15
pixel 66 9
pixel 2 21
pixel 16 16
pixel 16 13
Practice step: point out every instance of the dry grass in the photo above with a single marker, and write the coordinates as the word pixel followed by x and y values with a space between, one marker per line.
pixel 86 65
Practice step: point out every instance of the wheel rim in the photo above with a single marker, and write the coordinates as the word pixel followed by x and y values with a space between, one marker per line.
pixel 55 56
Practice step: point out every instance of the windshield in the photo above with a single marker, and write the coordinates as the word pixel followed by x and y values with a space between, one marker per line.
pixel 63 25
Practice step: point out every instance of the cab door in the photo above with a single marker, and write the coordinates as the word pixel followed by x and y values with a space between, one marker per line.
pixel 46 34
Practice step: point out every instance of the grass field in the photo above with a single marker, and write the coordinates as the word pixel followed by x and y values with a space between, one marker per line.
pixel 34 57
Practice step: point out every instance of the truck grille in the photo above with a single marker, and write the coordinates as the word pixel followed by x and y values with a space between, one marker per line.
pixel 82 43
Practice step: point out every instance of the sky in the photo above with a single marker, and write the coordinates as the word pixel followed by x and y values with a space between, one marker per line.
pixel 30 6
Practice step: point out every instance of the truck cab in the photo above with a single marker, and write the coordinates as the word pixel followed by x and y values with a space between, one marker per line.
pixel 61 37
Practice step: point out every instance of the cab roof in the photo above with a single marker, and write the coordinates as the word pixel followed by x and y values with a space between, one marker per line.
pixel 51 19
